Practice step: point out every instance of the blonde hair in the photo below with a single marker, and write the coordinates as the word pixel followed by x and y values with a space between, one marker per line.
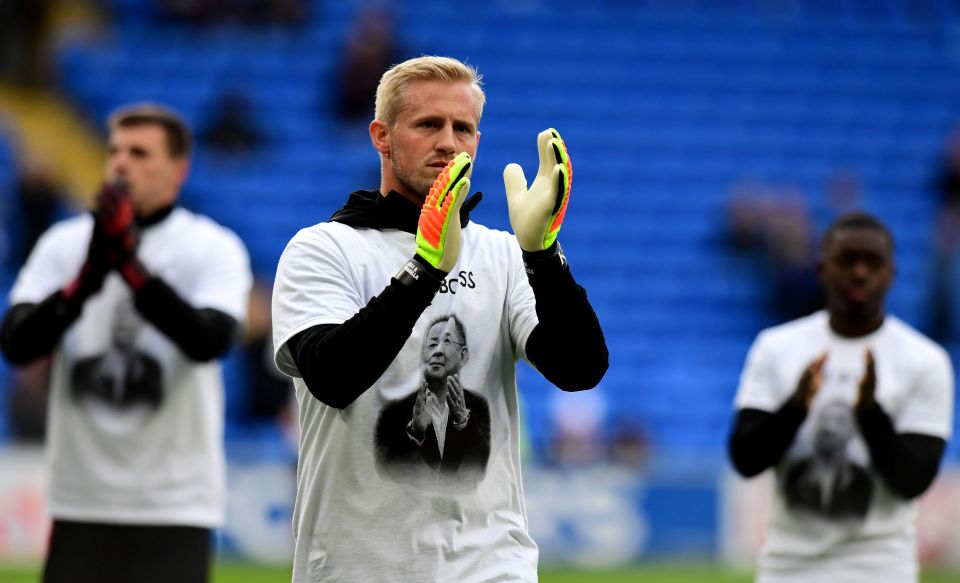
pixel 179 137
pixel 393 85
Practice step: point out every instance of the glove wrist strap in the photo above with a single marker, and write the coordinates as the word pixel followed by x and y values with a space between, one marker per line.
pixel 551 260
pixel 417 274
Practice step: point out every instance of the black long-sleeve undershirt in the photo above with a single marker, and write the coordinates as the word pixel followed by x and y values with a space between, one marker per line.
pixel 338 362
pixel 31 331
pixel 907 462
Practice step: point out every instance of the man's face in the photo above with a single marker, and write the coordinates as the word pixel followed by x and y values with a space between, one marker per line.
pixel 139 154
pixel 834 429
pixel 438 120
pixel 444 351
pixel 857 271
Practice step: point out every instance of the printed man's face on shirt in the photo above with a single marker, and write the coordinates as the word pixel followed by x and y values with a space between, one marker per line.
pixel 834 429
pixel 444 350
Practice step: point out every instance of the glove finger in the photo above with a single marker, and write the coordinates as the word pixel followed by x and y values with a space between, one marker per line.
pixel 545 149
pixel 460 196
pixel 514 181
pixel 560 205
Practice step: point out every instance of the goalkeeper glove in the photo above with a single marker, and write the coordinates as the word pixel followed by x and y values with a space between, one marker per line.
pixel 116 218
pixel 536 214
pixel 438 231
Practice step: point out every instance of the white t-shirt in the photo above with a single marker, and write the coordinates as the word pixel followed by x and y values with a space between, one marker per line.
pixel 135 428
pixel 834 518
pixel 368 512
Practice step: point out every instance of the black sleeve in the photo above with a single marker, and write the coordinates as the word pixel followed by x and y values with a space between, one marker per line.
pixel 567 346
pixel 760 438
pixel 201 333
pixel 31 331
pixel 338 362
pixel 907 462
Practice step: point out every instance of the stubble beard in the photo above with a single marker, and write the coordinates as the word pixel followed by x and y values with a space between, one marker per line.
pixel 418 185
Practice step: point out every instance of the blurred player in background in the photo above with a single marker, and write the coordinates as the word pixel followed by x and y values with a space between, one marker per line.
pixel 356 320
pixel 135 437
pixel 853 408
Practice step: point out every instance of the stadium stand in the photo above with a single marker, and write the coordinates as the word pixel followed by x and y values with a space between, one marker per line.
pixel 665 105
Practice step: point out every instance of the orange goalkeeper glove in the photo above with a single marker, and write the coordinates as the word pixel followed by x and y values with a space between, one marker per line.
pixel 438 232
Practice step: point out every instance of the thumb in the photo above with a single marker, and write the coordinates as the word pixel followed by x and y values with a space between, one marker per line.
pixel 514 181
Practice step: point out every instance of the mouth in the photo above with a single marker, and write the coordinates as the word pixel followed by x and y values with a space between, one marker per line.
pixel 857 295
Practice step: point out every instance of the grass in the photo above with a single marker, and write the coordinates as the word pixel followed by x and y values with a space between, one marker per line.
pixel 247 573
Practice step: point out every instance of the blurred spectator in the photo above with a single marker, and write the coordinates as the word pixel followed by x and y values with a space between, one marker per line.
pixel 270 391
pixel 370 50
pixel 577 432
pixel 746 219
pixel 792 255
pixel 38 204
pixel 23 25
pixel 27 404
pixel 629 443
pixel 941 316
pixel 844 191
pixel 774 228
pixel 232 129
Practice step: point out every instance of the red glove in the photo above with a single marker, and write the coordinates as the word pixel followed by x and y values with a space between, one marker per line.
pixel 117 219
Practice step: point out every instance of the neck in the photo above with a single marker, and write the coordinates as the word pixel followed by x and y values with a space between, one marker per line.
pixel 154 216
pixel 854 327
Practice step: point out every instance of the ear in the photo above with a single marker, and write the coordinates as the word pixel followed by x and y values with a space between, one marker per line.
pixel 183 169
pixel 464 355
pixel 380 136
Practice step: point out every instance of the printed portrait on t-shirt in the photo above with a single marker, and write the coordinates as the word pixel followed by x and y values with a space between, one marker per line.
pixel 122 376
pixel 828 482
pixel 441 432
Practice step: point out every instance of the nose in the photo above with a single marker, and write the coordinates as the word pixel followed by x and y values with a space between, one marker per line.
pixel 117 165
pixel 860 270
pixel 446 141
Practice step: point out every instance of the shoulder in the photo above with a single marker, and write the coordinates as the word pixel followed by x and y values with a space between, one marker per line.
pixel 70 228
pixel 912 344
pixel 788 333
pixel 201 228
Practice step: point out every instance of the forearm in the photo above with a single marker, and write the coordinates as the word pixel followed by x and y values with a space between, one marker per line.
pixel 339 362
pixel 201 333
pixel 567 346
pixel 31 331
pixel 760 439
pixel 908 462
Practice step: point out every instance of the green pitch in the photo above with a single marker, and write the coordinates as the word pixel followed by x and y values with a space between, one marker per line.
pixel 244 573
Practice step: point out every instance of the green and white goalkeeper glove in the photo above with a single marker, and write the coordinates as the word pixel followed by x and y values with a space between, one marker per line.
pixel 536 214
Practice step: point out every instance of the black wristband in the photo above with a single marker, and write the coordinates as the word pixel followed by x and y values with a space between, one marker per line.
pixel 417 274
pixel 550 260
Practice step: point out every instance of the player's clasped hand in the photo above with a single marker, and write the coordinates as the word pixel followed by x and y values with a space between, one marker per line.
pixel 809 383
pixel 115 219
pixel 438 231
pixel 867 390
pixel 536 214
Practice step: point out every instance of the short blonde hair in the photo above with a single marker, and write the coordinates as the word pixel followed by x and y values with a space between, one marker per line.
pixel 179 137
pixel 394 83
